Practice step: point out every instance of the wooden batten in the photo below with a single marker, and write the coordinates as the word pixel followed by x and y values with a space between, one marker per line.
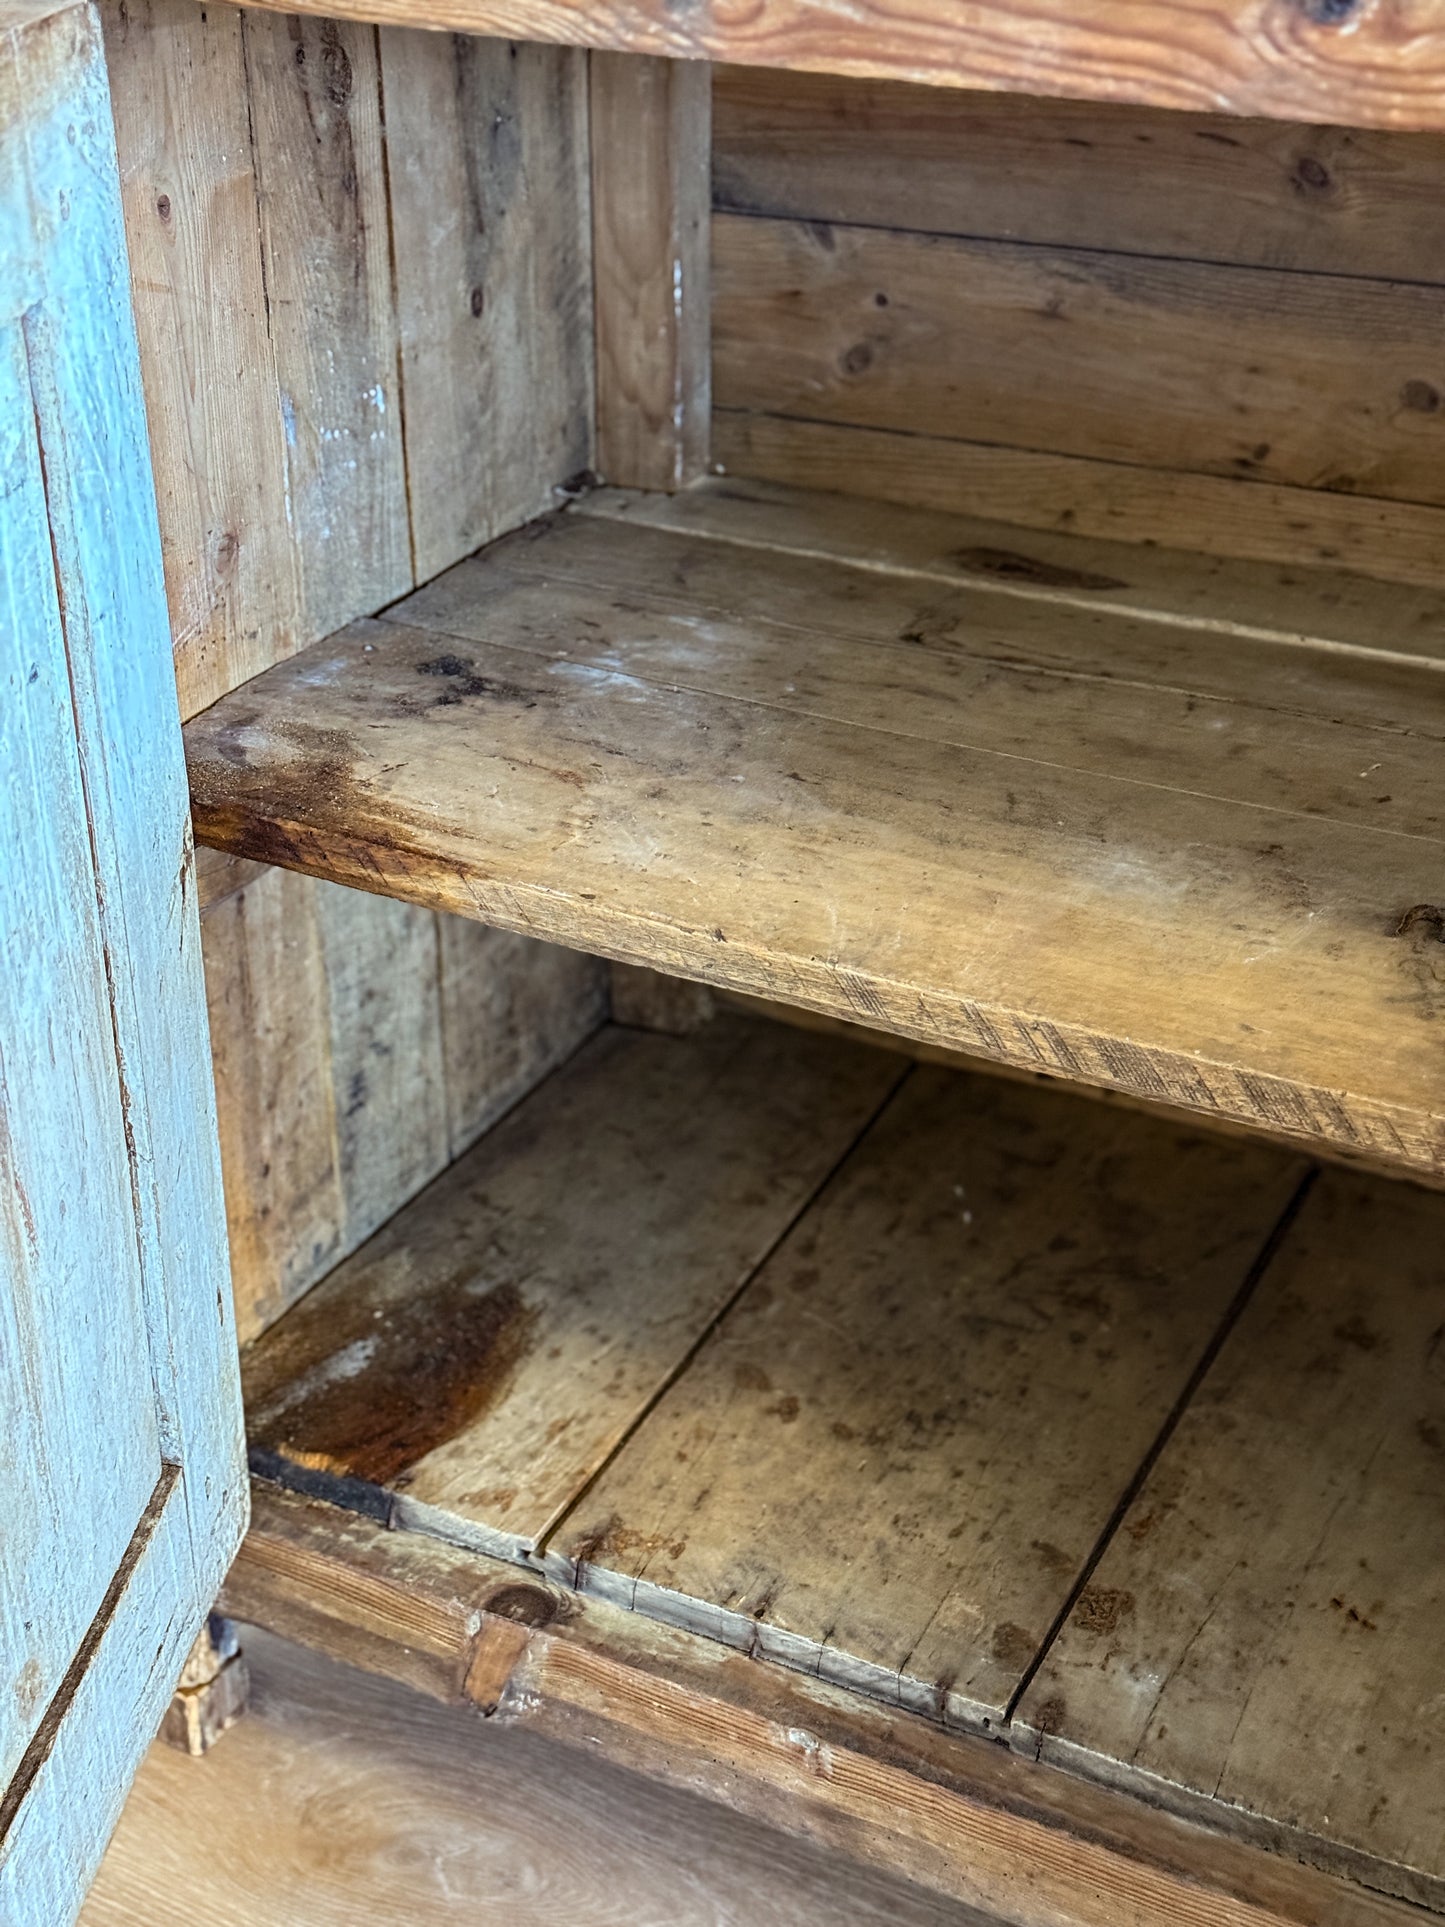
pixel 651 196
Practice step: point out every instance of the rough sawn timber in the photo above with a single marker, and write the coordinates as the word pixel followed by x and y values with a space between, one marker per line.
pixel 1196 866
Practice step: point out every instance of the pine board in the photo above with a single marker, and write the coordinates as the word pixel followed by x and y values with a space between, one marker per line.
pixel 1271 1646
pixel 1161 364
pixel 588 1242
pixel 1195 187
pixel 1141 882
pixel 893 1457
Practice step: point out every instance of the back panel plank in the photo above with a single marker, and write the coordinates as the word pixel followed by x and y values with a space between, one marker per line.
pixel 587 1242
pixel 1075 174
pixel 945 1379
pixel 1170 365
pixel 1262 1635
pixel 487 157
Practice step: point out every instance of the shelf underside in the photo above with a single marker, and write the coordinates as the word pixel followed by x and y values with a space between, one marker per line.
pixel 1150 822
pixel 1028 1415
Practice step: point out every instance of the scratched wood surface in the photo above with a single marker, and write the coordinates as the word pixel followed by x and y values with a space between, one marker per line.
pixel 124 1488
pixel 1344 62
pixel 891 1460
pixel 1182 882
pixel 427 1365
pixel 1260 1635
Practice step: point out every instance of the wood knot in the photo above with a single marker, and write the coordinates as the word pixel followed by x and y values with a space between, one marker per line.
pixel 523 1604
pixel 1427 918
pixel 1329 13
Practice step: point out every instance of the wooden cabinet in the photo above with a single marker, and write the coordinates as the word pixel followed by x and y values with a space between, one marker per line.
pixel 814 710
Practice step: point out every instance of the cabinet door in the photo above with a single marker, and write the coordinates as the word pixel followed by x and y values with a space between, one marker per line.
pixel 122 1489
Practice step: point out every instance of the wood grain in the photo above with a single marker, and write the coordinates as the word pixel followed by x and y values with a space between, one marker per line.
pixel 1072 174
pixel 876 847
pixel 427 1364
pixel 893 1457
pixel 1125 360
pixel 178 89
pixel 1033 489
pixel 1377 66
pixel 1274 1587
pixel 651 196
pixel 487 179
pixel 344 1797
pixel 875 1785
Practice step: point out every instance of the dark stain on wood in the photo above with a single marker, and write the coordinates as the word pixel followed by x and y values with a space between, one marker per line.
pixel 367 1397
pixel 523 1604
pixel 1101 1608
pixel 1009 566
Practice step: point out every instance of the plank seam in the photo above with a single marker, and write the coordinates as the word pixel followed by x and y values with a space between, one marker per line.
pixel 1263 1259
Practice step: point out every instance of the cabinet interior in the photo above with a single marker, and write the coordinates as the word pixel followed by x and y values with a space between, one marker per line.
pixel 813 705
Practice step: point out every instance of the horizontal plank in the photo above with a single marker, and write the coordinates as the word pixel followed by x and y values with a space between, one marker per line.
pixel 589 1240
pixel 1340 61
pixel 1161 364
pixel 1195 187
pixel 970 1821
pixel 1117 502
pixel 892 1458
pixel 970 830
pixel 1270 1603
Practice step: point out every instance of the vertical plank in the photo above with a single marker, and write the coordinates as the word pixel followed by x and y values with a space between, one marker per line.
pixel 488 167
pixel 512 1009
pixel 265 976
pixel 316 112
pixel 388 1092
pixel 178 91
pixel 651 198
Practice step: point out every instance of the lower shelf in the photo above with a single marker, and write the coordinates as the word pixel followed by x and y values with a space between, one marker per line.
pixel 1173 827
pixel 1024 1416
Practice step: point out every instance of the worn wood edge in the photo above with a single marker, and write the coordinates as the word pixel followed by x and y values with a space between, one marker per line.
pixel 1279 64
pixel 1083 495
pixel 396 862
pixel 970 1819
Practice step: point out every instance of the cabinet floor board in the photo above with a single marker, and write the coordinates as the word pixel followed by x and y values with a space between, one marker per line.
pixel 1195 859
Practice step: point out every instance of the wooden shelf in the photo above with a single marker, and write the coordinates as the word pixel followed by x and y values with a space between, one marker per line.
pixel 967 1399
pixel 1151 822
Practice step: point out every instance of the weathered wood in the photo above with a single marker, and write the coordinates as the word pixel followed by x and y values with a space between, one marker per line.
pixel 1340 63
pixel 974 1823
pixel 512 1010
pixel 212 1692
pixel 1126 360
pixel 178 86
pixel 120 1337
pixel 315 102
pixel 1260 1635
pixel 487 176
pixel 1182 883
pixel 1028 489
pixel 647 1000
pixel 651 200
pixel 426 1364
pixel 1077 175
pixel 944 1379
pixel 346 1798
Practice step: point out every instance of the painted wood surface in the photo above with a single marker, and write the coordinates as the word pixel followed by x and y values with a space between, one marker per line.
pixel 651 198
pixel 1346 63
pixel 171 1487
pixel 1273 1593
pixel 1221 909
pixel 893 1457
pixel 425 1366
pixel 971 1821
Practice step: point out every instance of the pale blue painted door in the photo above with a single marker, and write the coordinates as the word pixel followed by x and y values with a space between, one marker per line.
pixel 122 1488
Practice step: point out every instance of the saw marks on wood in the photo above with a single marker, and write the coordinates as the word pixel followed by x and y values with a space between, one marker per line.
pixel 488 1349
pixel 1262 1637
pixel 1129 850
